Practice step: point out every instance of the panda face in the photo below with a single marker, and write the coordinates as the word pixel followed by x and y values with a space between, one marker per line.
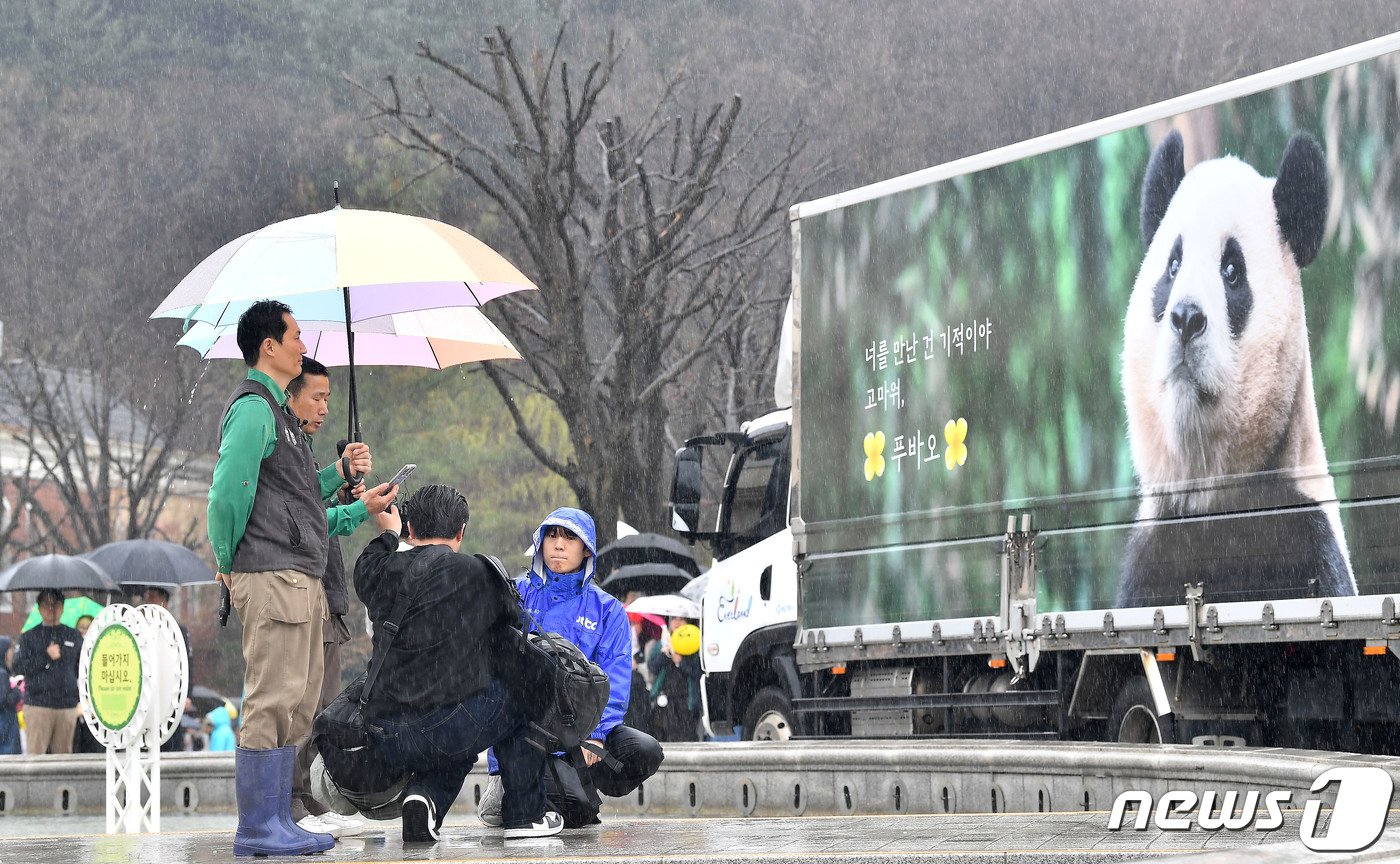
pixel 1215 340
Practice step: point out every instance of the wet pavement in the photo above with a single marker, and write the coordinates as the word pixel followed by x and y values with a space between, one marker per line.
pixel 964 838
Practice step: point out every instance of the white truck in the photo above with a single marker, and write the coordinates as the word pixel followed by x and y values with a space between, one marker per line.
pixel 1092 436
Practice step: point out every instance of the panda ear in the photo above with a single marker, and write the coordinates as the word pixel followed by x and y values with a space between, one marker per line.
pixel 1164 173
pixel 1300 197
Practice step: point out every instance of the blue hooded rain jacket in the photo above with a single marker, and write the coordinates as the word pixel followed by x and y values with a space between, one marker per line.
pixel 571 605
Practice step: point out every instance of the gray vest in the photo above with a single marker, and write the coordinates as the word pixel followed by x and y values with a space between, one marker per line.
pixel 287 528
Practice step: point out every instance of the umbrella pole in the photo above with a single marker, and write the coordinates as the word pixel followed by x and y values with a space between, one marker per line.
pixel 354 410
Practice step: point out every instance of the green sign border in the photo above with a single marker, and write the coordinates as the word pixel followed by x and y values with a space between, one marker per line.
pixel 140 680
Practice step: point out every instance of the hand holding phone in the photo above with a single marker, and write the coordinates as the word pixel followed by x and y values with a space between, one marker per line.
pixel 402 475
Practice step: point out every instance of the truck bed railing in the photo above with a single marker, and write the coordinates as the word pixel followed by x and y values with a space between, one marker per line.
pixel 1006 699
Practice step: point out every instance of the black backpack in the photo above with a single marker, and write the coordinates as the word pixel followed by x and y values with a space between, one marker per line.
pixel 562 691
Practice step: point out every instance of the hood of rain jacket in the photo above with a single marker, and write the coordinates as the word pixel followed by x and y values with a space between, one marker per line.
pixel 219 717
pixel 571 605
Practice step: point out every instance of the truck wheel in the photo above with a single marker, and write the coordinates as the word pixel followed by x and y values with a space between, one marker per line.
pixel 769 716
pixel 1134 718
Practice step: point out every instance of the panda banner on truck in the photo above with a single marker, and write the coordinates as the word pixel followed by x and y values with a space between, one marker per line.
pixel 1176 344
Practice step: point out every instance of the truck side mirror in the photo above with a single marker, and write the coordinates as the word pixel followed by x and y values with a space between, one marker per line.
pixel 686 491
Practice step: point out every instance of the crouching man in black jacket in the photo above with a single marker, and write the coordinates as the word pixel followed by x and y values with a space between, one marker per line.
pixel 438 702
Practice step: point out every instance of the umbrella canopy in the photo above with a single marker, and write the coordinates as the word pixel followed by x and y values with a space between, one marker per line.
pixel 349 266
pixel 56 572
pixel 644 549
pixel 151 562
pixel 694 590
pixel 649 578
pixel 432 340
pixel 666 605
pixel 377 262
pixel 73 609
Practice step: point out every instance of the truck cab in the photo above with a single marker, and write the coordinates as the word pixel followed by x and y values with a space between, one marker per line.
pixel 731 491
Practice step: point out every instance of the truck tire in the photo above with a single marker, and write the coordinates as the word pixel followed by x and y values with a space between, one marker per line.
pixel 1134 718
pixel 769 716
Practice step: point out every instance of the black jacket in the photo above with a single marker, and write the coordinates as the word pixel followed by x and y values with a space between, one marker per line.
pixel 456 618
pixel 49 683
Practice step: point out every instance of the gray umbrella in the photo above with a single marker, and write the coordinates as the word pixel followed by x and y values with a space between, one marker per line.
pixel 648 578
pixel 56 572
pixel 646 549
pixel 151 562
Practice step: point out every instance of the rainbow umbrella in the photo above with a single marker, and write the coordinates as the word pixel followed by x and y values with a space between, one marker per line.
pixel 350 266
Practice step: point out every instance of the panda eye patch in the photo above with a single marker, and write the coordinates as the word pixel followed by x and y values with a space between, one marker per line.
pixel 1232 265
pixel 1239 297
pixel 1163 290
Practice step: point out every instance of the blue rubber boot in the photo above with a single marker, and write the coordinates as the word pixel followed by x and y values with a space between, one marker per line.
pixel 257 781
pixel 324 842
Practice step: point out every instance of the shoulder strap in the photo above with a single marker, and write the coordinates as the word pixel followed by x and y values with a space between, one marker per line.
pixel 390 626
pixel 512 593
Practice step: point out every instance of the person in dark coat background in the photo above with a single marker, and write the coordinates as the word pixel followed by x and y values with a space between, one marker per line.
pixel 9 702
pixel 47 657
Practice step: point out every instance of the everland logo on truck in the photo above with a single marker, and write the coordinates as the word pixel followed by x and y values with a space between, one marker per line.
pixel 1358 817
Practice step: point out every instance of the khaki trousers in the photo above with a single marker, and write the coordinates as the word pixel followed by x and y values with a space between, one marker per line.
pixel 282 612
pixel 49 730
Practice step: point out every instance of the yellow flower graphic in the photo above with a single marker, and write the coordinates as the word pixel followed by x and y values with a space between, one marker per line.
pixel 874 455
pixel 954 433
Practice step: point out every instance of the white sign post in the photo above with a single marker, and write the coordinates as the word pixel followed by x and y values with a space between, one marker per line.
pixel 133 678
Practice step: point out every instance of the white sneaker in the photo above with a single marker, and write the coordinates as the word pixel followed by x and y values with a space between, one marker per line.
pixel 489 810
pixel 316 825
pixel 347 827
pixel 550 823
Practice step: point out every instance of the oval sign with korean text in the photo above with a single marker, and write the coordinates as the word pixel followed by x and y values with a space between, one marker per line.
pixel 114 677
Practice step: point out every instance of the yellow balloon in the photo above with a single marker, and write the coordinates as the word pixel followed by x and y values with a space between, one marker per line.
pixel 685 640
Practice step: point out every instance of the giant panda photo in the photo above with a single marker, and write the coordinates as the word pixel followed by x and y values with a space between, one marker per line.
pixel 1235 492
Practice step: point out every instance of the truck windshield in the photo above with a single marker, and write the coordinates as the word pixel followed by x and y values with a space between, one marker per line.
pixel 757 497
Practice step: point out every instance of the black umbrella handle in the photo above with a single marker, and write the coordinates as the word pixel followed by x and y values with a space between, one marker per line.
pixel 351 479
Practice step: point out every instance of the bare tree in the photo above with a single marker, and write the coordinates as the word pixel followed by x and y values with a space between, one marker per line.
pixel 651 237
pixel 100 462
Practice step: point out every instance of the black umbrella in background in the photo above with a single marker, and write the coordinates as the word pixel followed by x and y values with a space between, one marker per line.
pixel 206 699
pixel 151 562
pixel 649 578
pixel 646 549
pixel 57 573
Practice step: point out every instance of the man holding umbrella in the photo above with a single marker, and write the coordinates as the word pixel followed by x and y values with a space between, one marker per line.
pixel 269 528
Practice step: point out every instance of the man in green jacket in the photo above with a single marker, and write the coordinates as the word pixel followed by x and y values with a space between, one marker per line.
pixel 270 529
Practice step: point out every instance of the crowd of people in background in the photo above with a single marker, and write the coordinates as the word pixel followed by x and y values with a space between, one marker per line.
pixel 39 710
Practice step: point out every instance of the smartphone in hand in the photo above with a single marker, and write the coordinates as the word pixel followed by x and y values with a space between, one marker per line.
pixel 402 475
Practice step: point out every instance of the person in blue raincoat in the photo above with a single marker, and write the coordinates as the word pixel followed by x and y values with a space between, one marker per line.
pixel 561 597
pixel 221 738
